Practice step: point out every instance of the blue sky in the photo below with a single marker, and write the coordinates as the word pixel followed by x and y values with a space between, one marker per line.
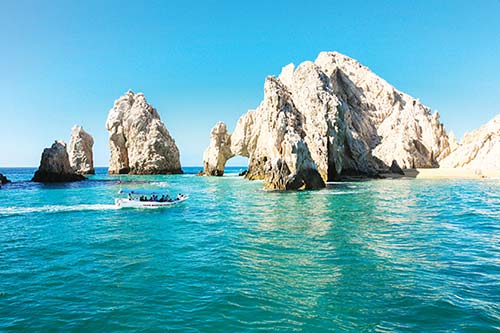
pixel 65 62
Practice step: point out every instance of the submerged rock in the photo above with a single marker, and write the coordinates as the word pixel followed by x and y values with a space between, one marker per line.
pixel 80 151
pixel 3 180
pixel 55 166
pixel 139 141
pixel 478 150
pixel 329 118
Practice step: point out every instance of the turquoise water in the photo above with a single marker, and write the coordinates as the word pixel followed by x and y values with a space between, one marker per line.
pixel 386 255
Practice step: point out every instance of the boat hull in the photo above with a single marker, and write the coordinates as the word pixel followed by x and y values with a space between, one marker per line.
pixel 127 203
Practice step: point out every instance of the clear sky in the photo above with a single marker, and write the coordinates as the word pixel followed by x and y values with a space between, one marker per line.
pixel 65 62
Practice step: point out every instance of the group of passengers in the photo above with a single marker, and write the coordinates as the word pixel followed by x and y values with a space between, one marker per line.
pixel 155 198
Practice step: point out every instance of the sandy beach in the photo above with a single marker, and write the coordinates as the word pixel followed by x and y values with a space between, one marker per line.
pixel 451 173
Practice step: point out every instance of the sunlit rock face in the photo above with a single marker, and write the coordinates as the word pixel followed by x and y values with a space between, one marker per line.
pixel 218 152
pixel 273 138
pixel 139 141
pixel 382 123
pixel 479 149
pixel 330 118
pixel 80 151
pixel 55 166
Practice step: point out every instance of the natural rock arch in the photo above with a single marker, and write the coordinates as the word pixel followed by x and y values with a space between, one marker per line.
pixel 329 118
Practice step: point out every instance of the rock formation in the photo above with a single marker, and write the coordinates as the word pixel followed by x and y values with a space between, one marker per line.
pixel 80 151
pixel 139 142
pixel 218 152
pixel 478 150
pixel 396 169
pixel 55 167
pixel 330 118
pixel 3 180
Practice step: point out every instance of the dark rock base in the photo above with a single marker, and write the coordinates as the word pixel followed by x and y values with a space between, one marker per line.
pixel 126 171
pixel 51 177
pixel 3 179
pixel 395 168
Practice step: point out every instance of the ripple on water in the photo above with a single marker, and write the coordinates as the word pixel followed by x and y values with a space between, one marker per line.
pixel 370 256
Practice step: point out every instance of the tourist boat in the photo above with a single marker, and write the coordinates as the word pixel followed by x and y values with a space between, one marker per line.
pixel 151 199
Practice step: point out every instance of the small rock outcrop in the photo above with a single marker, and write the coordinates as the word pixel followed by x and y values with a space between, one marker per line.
pixel 80 151
pixel 330 118
pixel 139 141
pixel 55 167
pixel 218 152
pixel 479 150
pixel 395 168
pixel 3 180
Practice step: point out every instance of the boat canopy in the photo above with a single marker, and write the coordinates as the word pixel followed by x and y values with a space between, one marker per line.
pixel 141 192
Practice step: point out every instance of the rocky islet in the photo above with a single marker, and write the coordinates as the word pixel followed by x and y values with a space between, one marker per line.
pixel 55 166
pixel 317 122
pixel 329 118
pixel 139 141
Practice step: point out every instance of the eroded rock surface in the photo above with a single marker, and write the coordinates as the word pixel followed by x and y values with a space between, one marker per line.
pixel 55 166
pixel 479 149
pixel 80 151
pixel 139 141
pixel 330 118
pixel 218 152
pixel 382 123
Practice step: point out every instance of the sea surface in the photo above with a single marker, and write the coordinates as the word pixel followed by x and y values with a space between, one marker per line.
pixel 373 256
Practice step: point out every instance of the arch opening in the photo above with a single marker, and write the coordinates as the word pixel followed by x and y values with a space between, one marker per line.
pixel 236 165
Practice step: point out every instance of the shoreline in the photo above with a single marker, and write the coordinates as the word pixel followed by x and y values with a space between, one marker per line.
pixel 447 173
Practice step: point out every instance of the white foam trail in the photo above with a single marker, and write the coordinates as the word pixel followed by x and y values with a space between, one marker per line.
pixel 160 184
pixel 53 209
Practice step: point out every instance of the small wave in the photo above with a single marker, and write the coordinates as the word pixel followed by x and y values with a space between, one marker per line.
pixel 330 192
pixel 53 209
pixel 160 184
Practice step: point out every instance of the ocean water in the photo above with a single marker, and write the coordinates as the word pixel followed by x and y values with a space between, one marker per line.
pixel 373 256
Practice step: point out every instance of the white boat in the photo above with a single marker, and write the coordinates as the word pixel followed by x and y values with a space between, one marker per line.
pixel 133 199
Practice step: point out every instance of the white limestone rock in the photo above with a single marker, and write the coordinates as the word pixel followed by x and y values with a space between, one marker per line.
pixel 218 152
pixel 452 139
pixel 272 138
pixel 55 166
pixel 80 151
pixel 391 125
pixel 334 117
pixel 478 150
pixel 139 141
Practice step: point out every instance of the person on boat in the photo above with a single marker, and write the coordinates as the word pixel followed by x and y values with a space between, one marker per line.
pixel 162 199
pixel 130 196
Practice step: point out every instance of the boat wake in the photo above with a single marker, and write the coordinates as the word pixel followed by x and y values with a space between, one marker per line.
pixel 6 211
pixel 160 184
